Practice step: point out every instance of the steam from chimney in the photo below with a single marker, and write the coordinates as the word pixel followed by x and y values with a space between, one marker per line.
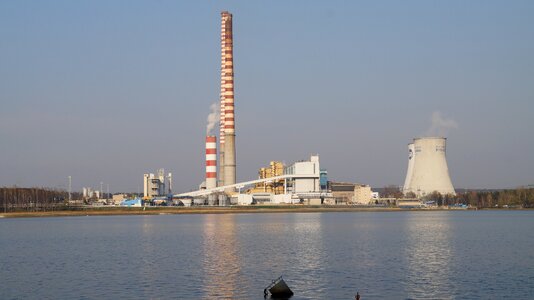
pixel 213 118
pixel 440 125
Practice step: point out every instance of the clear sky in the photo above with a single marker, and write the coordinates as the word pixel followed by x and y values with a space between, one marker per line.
pixel 109 90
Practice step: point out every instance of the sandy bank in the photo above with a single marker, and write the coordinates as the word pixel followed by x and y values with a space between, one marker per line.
pixel 109 211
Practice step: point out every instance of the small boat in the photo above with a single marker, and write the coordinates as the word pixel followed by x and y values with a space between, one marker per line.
pixel 278 288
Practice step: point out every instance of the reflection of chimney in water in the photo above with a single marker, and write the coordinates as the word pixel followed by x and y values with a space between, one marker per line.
pixel 228 160
pixel 211 162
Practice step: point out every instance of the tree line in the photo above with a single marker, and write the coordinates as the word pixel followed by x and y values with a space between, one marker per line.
pixel 31 199
pixel 521 197
pixel 514 198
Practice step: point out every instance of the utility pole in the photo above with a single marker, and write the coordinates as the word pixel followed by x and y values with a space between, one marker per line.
pixel 107 193
pixel 101 190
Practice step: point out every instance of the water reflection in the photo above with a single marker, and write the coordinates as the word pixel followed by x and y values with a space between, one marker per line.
pixel 148 264
pixel 221 265
pixel 429 254
pixel 309 255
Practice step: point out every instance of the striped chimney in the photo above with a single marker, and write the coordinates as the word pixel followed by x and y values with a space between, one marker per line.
pixel 223 107
pixel 211 162
pixel 227 95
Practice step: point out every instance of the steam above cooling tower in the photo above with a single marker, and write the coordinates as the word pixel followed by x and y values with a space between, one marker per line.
pixel 227 168
pixel 427 167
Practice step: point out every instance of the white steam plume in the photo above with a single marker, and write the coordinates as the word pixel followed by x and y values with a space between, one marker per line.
pixel 440 125
pixel 213 118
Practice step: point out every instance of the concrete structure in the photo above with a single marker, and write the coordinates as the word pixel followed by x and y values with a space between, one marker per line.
pixel 154 186
pixel 342 192
pixel 275 169
pixel 211 162
pixel 305 185
pixel 221 142
pixel 362 194
pixel 87 193
pixel 228 159
pixel 117 199
pixel 351 193
pixel 427 167
pixel 409 172
pixel 244 199
pixel 301 185
pixel 409 203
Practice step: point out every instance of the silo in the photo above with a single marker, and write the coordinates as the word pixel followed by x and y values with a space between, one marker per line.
pixel 429 168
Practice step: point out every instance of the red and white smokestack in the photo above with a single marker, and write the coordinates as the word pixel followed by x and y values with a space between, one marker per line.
pixel 222 126
pixel 211 162
pixel 227 94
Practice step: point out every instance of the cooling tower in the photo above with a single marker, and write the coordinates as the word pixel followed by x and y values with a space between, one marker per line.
pixel 227 95
pixel 211 162
pixel 410 167
pixel 427 167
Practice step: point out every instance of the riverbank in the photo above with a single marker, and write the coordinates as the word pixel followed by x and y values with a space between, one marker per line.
pixel 111 211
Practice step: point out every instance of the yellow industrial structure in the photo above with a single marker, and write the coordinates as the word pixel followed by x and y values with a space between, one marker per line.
pixel 276 168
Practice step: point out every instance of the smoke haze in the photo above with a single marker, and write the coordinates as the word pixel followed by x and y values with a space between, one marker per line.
pixel 213 118
pixel 440 125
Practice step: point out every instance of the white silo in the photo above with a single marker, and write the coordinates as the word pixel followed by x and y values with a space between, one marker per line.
pixel 429 171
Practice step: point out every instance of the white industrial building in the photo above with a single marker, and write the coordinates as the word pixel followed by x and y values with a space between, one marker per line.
pixel 427 167
pixel 301 185
pixel 88 193
pixel 362 194
pixel 154 186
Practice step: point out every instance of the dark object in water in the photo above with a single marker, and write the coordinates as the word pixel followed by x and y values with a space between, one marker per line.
pixel 278 288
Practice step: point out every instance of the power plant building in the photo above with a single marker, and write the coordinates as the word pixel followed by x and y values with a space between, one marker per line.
pixel 276 168
pixel 362 194
pixel 305 185
pixel 427 167
pixel 154 186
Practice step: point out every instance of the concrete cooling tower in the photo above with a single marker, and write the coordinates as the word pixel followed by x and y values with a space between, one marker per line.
pixel 410 167
pixel 427 167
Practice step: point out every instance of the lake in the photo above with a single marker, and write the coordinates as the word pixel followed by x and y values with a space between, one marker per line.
pixel 333 255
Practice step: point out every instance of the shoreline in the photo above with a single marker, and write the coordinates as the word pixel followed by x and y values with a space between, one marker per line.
pixel 117 211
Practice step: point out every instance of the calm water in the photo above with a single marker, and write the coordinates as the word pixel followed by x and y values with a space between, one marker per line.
pixel 384 255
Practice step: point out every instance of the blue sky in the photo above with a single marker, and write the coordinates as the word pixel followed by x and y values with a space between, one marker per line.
pixel 109 90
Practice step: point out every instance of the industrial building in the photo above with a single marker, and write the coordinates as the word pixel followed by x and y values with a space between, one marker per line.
pixel 275 169
pixel 301 184
pixel 352 193
pixel 342 192
pixel 89 193
pixel 154 186
pixel 427 167
pixel 362 194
